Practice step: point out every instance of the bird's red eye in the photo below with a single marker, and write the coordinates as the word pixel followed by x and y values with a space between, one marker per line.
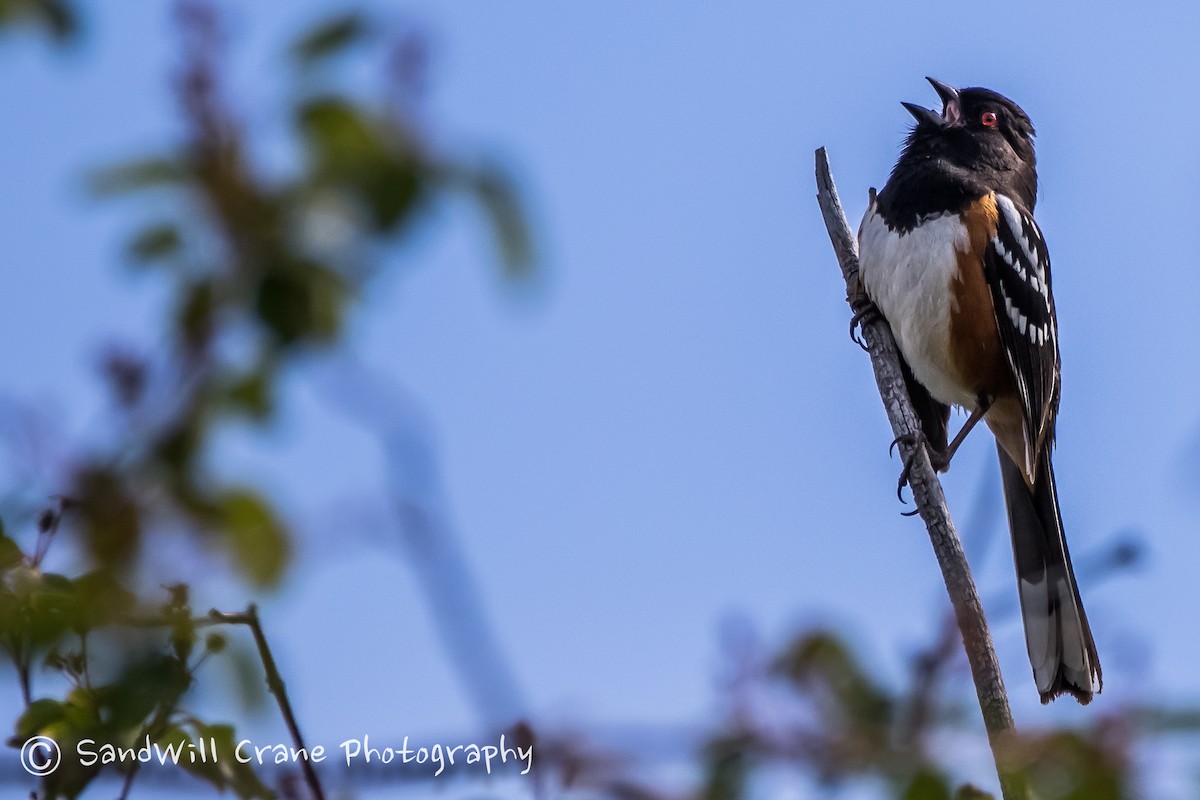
pixel 988 119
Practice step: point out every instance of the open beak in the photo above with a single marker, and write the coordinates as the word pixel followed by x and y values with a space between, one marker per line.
pixel 951 109
pixel 923 115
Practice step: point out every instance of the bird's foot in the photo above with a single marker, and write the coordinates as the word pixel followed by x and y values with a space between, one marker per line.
pixel 939 460
pixel 864 311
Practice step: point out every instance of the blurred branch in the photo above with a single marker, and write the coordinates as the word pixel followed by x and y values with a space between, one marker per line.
pixel 455 599
pixel 927 493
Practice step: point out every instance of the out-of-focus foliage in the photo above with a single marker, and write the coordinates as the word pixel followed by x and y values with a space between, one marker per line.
pixel 814 715
pixel 54 623
pixel 260 271
pixel 55 17
pixel 831 720
pixel 331 37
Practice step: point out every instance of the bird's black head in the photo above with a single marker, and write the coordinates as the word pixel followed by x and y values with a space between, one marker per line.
pixel 981 136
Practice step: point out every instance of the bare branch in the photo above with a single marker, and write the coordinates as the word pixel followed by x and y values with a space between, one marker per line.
pixel 927 493
pixel 250 619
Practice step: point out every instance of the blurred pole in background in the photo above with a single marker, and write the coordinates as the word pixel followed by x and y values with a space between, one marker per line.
pixel 441 565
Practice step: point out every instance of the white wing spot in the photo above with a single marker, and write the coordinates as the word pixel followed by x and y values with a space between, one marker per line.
pixel 1010 258
pixel 1016 223
pixel 1030 252
pixel 1018 319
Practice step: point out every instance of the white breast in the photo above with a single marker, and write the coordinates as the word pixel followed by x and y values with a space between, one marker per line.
pixel 908 278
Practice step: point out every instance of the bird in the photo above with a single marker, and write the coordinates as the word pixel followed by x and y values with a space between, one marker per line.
pixel 951 257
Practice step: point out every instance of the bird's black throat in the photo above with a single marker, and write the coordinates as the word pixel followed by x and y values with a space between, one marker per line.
pixel 943 171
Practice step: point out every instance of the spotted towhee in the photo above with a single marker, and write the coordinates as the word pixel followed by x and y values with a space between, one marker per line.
pixel 952 258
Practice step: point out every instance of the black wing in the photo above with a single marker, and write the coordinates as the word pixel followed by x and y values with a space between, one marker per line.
pixel 1018 270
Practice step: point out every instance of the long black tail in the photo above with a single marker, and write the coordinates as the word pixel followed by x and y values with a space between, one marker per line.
pixel 1060 643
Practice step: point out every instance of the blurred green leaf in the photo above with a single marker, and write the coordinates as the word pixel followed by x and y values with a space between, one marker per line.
pixel 391 192
pixel 224 772
pixel 301 301
pixel 820 661
pixel 363 157
pixel 82 709
pixel 245 676
pixel 66 723
pixel 331 37
pixel 40 714
pixel 728 767
pixel 41 608
pixel 111 518
pixel 155 242
pixel 137 175
pixel 177 448
pixel 499 200
pixel 195 315
pixel 252 395
pixel 970 792
pixel 927 785
pixel 10 553
pixel 100 600
pixel 152 682
pixel 493 189
pixel 337 133
pixel 257 541
pixel 57 17
pixel 1078 765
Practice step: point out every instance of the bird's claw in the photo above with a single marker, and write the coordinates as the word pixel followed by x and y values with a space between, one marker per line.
pixel 864 311
pixel 915 441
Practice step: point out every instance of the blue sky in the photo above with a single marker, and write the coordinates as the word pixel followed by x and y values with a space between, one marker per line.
pixel 676 429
